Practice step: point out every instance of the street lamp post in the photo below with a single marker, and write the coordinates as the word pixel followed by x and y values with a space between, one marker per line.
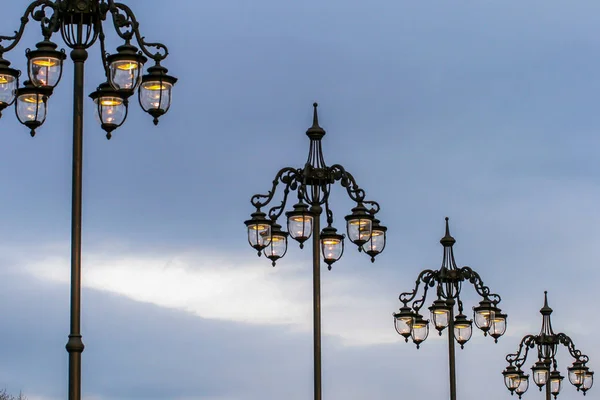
pixel 447 281
pixel 313 186
pixel 544 370
pixel 80 23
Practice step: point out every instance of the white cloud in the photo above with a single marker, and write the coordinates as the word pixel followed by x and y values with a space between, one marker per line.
pixel 240 290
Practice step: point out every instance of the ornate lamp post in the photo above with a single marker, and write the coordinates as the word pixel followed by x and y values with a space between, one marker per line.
pixel 312 184
pixel 447 281
pixel 544 370
pixel 80 23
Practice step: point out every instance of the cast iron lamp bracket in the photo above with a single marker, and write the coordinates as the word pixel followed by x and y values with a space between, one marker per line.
pixel 313 185
pixel 447 282
pixel 80 23
pixel 546 343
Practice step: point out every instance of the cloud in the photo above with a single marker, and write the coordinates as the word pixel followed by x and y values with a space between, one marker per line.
pixel 231 289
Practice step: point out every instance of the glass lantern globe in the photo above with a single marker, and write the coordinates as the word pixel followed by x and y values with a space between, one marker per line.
pixel 359 225
pixel 31 105
pixel 462 329
pixel 523 384
pixel 440 314
pixel 555 383
pixel 483 315
pixel 300 223
pixel 377 243
pixel 278 245
pixel 588 381
pixel 498 327
pixel 111 107
pixel 259 231
pixel 403 322
pixel 45 64
pixel 9 82
pixel 577 373
pixel 155 91
pixel 125 67
pixel 541 373
pixel 512 378
pixel 332 245
pixel 420 330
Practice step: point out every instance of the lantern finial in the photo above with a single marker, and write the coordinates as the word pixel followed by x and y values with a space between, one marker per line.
pixel 315 131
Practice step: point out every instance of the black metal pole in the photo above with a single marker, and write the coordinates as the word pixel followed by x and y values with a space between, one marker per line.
pixel 451 351
pixel 316 212
pixel 548 393
pixel 75 345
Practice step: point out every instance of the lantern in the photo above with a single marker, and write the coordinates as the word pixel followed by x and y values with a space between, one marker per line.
pixel 278 245
pixel 45 64
pixel 155 91
pixel 259 231
pixel 9 82
pixel 332 245
pixel 440 313
pixel 111 107
pixel 378 239
pixel 300 223
pixel 359 225
pixel 125 67
pixel 32 105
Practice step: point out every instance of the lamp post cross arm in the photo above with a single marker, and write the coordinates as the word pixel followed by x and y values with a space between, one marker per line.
pixel 287 176
pixel 568 343
pixel 48 25
pixel 347 181
pixel 127 26
pixel 519 358
pixel 467 273
pixel 427 277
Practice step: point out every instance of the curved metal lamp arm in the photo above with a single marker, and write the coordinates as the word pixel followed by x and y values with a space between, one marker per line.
pixel 127 27
pixel 287 176
pixel 428 277
pixel 275 212
pixel 460 304
pixel 103 51
pixel 49 25
pixel 520 356
pixel 328 212
pixel 373 206
pixel 347 181
pixel 473 277
pixel 568 343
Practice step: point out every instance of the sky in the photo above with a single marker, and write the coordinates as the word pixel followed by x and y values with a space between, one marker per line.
pixel 482 111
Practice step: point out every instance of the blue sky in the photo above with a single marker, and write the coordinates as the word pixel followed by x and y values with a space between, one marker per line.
pixel 483 111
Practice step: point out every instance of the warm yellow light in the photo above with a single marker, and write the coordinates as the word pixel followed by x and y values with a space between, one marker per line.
pixel 331 242
pixel 361 222
pixel 45 62
pixel 259 227
pixel 277 239
pixel 34 99
pixel 301 219
pixel 127 66
pixel 111 102
pixel 154 86
pixel 439 312
pixel 6 79
pixel 376 233
pixel 461 326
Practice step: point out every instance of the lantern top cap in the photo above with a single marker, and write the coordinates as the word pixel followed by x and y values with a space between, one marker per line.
pixel 315 131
